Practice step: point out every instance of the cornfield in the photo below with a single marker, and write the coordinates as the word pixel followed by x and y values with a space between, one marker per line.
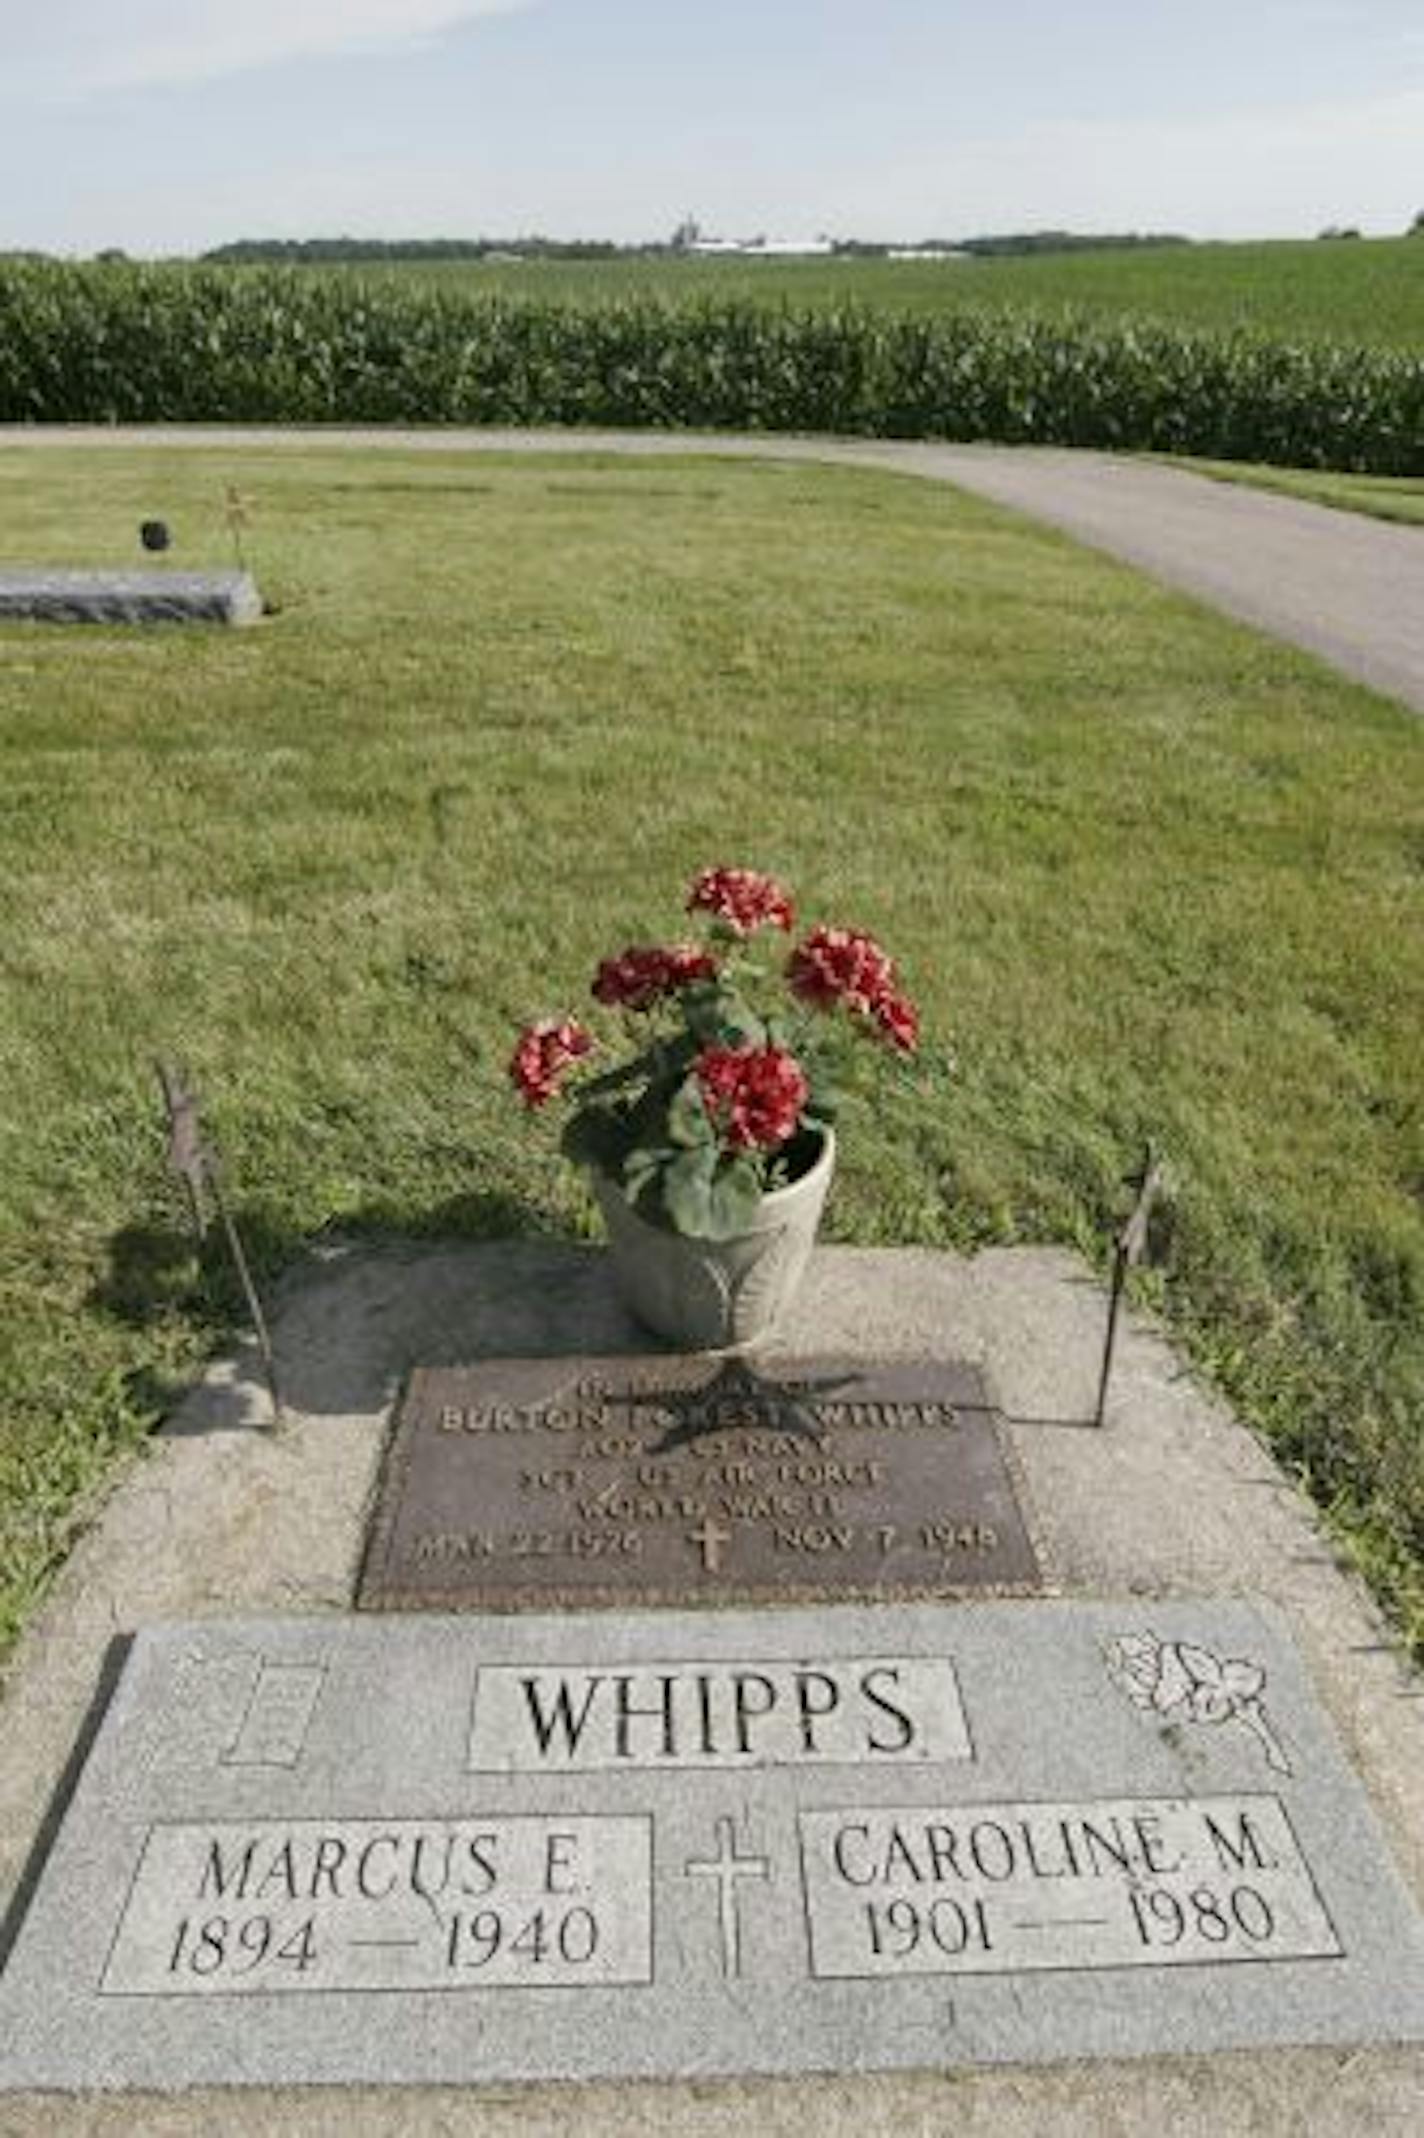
pixel 129 344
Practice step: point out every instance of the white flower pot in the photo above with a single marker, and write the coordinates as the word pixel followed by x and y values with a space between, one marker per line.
pixel 717 1295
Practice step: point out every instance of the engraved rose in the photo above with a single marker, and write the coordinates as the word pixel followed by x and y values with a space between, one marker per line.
pixel 1177 1678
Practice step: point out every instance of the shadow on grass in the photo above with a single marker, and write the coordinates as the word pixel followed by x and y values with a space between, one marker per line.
pixel 481 1275
pixel 157 1271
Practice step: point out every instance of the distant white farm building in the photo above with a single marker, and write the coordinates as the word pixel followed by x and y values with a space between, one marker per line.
pixel 765 248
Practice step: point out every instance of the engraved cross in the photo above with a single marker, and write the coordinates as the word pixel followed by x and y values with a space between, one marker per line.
pixel 727 1867
pixel 711 1537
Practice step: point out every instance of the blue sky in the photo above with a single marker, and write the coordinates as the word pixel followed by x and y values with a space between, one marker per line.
pixel 170 125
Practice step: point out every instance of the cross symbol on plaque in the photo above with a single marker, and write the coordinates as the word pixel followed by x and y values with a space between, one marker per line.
pixel 727 1867
pixel 710 1537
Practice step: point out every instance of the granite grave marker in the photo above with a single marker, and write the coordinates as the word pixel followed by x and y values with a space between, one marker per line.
pixel 44 595
pixel 424 1850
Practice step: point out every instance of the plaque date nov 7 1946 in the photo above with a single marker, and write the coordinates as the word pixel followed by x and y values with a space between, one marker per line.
pixel 616 1480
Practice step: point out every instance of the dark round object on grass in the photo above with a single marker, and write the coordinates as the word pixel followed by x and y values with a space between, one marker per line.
pixel 154 535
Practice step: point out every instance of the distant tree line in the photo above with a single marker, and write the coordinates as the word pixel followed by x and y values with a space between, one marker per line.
pixel 323 251
pixel 320 251
pixel 1030 241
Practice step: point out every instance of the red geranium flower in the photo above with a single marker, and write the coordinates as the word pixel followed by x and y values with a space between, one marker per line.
pixel 743 898
pixel 641 976
pixel 899 1021
pixel 754 1094
pixel 845 965
pixel 841 965
pixel 543 1054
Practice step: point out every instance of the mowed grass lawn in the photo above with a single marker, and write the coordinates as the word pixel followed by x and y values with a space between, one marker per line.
pixel 1379 497
pixel 1147 874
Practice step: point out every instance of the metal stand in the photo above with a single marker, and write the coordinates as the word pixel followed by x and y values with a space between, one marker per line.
pixel 1130 1248
pixel 197 1167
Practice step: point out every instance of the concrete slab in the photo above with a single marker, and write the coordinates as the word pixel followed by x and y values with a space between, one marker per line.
pixel 1172 1500
pixel 473 1849
pixel 129 597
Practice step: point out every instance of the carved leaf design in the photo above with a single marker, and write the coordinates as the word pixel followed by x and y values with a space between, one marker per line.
pixel 755 1293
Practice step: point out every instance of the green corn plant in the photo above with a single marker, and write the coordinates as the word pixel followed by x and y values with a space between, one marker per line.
pixel 115 343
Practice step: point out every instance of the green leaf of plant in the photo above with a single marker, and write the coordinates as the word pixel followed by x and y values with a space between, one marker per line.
pixel 688 1122
pixel 687 1191
pixel 702 1009
pixel 643 1171
pixel 741 1026
pixel 735 1198
pixel 717 1016
pixel 642 1065
pixel 823 1100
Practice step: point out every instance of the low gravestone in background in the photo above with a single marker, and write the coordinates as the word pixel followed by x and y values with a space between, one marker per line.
pixel 128 597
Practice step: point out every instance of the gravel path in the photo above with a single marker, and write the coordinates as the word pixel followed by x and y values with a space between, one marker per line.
pixel 1345 587
pixel 1341 585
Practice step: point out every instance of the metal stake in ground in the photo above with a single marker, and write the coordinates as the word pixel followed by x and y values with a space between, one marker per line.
pixel 1130 1247
pixel 235 506
pixel 197 1166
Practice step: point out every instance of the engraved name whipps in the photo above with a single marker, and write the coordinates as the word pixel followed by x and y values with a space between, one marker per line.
pixel 614 1480
pixel 838 1711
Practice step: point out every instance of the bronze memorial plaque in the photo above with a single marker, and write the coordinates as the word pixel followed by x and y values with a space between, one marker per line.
pixel 568 1481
